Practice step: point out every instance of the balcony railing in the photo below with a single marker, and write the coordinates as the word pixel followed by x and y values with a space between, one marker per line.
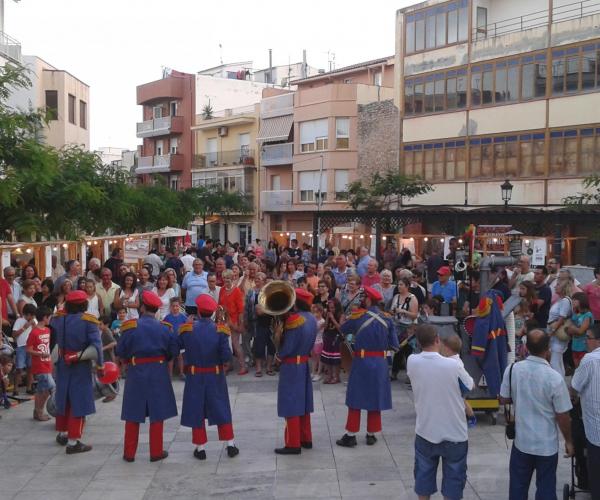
pixel 225 159
pixel 276 154
pixel 160 126
pixel 10 47
pixel 275 201
pixel 575 10
pixel 159 163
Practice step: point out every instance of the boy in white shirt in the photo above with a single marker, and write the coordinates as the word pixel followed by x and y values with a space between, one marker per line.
pixel 21 330
pixel 450 348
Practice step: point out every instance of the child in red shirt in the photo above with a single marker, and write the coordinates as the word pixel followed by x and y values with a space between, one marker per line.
pixel 38 347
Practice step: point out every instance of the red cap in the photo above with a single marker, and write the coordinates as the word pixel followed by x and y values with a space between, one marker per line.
pixel 206 304
pixel 151 299
pixel 304 295
pixel 444 271
pixel 373 294
pixel 76 297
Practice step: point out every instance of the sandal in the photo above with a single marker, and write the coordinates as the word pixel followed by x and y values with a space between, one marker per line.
pixel 258 374
pixel 270 372
pixel 242 372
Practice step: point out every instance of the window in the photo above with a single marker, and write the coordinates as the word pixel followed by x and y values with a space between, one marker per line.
pixel 72 102
pixel 173 145
pixel 342 133
pixel 309 185
pixel 52 104
pixel 341 185
pixel 82 114
pixel 437 26
pixel 159 147
pixel 275 183
pixel 244 144
pixel 436 92
pixel 574 151
pixel 575 69
pixel 313 135
pixel 481 23
pixel 377 78
pixel 173 108
pixel 157 112
pixel 211 152
pixel 435 162
pixel 174 182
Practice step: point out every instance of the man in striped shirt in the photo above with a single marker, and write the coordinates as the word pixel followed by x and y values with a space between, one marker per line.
pixel 586 381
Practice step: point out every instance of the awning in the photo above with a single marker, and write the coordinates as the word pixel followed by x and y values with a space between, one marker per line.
pixel 172 232
pixel 276 128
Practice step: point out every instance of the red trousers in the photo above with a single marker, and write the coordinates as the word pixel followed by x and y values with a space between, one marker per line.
pixel 132 431
pixel 297 431
pixel 73 426
pixel 373 421
pixel 199 433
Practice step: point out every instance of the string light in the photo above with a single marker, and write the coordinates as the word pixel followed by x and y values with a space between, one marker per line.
pixel 426 238
pixel 460 241
pixel 55 249
pixel 303 234
pixel 88 243
pixel 442 240
pixel 281 234
pixel 349 237
pixel 527 242
pixel 29 250
pixel 65 245
pixel 310 235
pixel 412 239
pixel 495 240
pixel 384 238
pixel 371 236
pixel 362 236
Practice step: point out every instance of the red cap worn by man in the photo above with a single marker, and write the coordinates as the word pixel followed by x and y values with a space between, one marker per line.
pixel 76 297
pixel 304 295
pixel 444 271
pixel 373 294
pixel 151 299
pixel 206 304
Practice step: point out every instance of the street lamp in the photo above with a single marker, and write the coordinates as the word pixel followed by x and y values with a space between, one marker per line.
pixel 506 189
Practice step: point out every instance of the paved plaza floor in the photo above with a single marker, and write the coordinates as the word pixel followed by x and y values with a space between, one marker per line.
pixel 33 466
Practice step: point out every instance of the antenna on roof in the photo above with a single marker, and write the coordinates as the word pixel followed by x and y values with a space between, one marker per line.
pixel 221 53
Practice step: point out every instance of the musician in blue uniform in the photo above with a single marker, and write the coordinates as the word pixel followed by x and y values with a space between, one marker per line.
pixel 146 345
pixel 205 395
pixel 75 331
pixel 295 391
pixel 369 382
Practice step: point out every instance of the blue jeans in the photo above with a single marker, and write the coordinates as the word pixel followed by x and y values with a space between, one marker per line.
pixel 522 466
pixel 454 467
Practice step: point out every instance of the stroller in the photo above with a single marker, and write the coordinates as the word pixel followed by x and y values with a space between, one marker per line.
pixel 579 472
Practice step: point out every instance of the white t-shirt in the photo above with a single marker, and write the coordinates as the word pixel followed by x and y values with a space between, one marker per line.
pixel 166 302
pixel 22 339
pixel 188 261
pixel 132 312
pixel 435 384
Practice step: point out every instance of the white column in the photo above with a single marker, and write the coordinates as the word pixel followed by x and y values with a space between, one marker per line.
pixel 48 259
pixel 83 253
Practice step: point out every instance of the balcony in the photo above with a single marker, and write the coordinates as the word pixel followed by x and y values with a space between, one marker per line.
pixel 276 154
pixel 160 126
pixel 10 48
pixel 276 201
pixel 233 158
pixel 159 164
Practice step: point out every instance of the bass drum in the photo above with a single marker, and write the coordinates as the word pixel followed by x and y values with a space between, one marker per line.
pixel 347 355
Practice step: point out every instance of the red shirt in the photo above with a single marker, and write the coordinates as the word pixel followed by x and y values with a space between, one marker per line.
pixel 39 340
pixel 370 280
pixel 233 303
pixel 5 291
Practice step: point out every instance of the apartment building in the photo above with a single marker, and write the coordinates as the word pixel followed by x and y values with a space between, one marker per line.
pixel 337 121
pixel 64 96
pixel 168 113
pixel 500 90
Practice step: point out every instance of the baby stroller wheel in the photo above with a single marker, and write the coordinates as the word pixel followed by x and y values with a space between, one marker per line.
pixel 566 492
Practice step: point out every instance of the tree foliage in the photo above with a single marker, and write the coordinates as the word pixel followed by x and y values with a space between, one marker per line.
pixel 589 197
pixel 68 193
pixel 384 189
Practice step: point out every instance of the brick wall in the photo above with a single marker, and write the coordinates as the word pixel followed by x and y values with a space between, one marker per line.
pixel 378 141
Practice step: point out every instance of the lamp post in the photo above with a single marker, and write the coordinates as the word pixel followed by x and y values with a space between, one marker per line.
pixel 506 189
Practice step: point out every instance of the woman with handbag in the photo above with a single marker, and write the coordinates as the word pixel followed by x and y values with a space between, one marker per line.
pixel 559 312
pixel 405 309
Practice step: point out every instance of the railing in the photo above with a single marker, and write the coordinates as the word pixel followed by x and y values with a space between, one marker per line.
pixel 277 105
pixel 225 158
pixel 537 19
pixel 151 127
pixel 242 110
pixel 10 47
pixel 276 154
pixel 276 200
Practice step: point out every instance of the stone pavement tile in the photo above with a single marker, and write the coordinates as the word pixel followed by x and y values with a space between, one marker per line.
pixel 373 489
pixel 309 459
pixel 48 495
pixel 17 480
pixel 247 486
pixel 246 463
pixel 89 494
pixel 306 483
pixel 53 478
pixel 122 482
pixel 370 474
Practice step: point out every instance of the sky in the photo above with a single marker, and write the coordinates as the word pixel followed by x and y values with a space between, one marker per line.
pixel 115 45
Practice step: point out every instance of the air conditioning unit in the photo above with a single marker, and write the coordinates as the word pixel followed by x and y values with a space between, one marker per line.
pixel 223 131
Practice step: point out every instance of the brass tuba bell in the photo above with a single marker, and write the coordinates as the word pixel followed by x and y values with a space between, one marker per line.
pixel 276 299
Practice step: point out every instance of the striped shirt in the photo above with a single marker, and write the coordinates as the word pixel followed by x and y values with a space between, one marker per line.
pixel 586 381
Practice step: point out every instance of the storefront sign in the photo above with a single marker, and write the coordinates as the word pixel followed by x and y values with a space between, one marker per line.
pixel 136 249
pixel 494 237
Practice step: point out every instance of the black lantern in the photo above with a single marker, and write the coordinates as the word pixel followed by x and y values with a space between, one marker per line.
pixel 506 189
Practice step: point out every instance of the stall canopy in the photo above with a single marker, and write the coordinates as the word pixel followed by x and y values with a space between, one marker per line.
pixel 172 232
pixel 276 128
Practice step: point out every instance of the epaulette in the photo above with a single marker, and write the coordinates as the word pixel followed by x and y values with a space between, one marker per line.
pixel 185 328
pixel 484 307
pixel 357 313
pixel 60 313
pixel 128 325
pixel 167 324
pixel 386 314
pixel 294 321
pixel 90 317
pixel 223 328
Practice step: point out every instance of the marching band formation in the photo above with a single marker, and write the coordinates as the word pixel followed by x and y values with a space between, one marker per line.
pixel 147 345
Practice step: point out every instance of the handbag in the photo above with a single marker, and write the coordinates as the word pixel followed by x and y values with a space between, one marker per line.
pixel 510 429
pixel 561 332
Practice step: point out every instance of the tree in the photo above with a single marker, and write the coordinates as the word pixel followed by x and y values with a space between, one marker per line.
pixel 385 189
pixel 207 112
pixel 231 203
pixel 588 197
